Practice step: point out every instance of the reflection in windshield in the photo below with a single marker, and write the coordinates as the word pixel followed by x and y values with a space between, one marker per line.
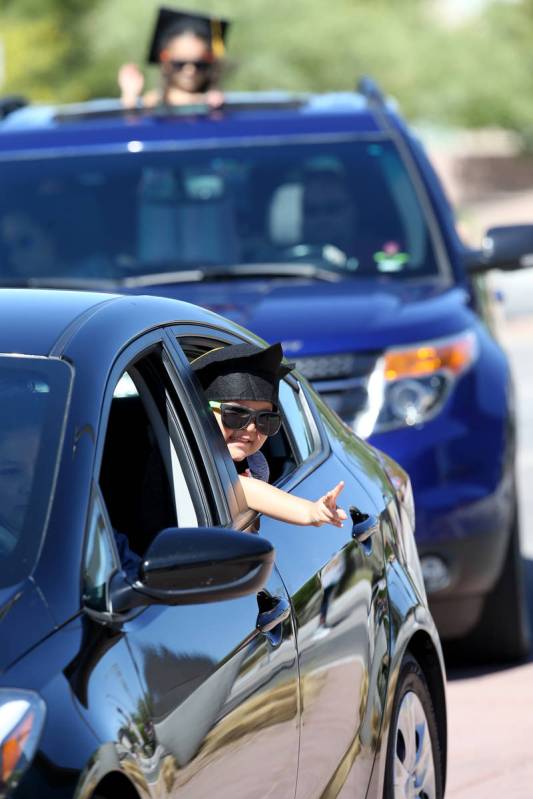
pixel 32 401
pixel 343 206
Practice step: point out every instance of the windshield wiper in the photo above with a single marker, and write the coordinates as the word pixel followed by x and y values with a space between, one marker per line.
pixel 284 270
pixel 200 275
pixel 232 272
pixel 162 278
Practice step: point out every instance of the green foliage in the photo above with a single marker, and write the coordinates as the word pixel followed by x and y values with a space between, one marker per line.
pixel 44 49
pixel 478 74
pixel 33 75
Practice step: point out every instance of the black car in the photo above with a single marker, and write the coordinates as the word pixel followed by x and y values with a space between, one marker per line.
pixel 323 676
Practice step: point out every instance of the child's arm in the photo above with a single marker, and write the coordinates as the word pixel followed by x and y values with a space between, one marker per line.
pixel 267 499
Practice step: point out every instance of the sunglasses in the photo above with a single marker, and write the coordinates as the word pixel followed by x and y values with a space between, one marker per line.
pixel 200 66
pixel 238 417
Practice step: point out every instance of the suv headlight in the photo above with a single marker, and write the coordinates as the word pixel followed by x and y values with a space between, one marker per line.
pixel 410 384
pixel 22 715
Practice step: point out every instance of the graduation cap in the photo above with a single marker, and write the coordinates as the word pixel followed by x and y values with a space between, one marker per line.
pixel 171 22
pixel 242 372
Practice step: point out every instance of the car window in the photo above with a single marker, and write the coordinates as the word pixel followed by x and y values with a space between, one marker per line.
pixel 100 559
pixel 148 475
pixel 349 206
pixel 33 404
pixel 297 419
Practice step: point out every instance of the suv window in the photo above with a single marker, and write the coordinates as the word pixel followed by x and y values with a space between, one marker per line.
pixel 349 206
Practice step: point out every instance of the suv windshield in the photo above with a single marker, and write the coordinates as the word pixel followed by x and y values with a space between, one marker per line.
pixel 347 206
pixel 33 396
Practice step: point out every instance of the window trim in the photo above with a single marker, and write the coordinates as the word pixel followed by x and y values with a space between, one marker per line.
pixel 98 499
pixel 178 440
pixel 312 426
pixel 205 429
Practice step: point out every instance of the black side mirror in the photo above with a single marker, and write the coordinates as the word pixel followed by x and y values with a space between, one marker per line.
pixel 507 248
pixel 190 566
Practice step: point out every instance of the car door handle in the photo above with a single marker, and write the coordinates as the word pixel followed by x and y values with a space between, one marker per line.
pixel 363 524
pixel 268 619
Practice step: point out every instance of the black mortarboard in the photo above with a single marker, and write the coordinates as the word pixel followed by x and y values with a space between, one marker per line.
pixel 170 22
pixel 242 372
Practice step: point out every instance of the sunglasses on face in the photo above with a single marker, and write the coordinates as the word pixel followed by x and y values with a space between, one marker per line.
pixel 200 66
pixel 238 417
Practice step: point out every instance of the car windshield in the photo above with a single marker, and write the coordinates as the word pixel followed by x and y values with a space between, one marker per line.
pixel 33 398
pixel 345 206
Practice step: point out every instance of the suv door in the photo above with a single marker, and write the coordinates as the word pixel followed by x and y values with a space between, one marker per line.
pixel 219 696
pixel 338 591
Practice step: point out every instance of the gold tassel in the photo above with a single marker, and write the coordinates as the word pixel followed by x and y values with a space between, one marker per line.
pixel 217 42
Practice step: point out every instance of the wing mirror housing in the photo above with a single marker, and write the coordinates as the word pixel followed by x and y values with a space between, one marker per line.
pixel 506 248
pixel 190 566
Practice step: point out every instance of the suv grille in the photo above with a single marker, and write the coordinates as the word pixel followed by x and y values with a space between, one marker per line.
pixel 342 379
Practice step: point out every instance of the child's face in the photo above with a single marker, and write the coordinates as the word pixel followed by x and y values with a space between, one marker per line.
pixel 242 443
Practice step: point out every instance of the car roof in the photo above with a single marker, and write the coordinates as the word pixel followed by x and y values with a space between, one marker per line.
pixel 44 321
pixel 105 124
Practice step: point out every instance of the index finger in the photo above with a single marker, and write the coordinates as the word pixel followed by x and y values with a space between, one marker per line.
pixel 334 493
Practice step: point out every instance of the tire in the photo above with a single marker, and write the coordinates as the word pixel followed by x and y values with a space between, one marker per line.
pixel 414 768
pixel 502 633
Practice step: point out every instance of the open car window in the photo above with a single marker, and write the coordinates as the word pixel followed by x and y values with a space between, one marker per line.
pixel 149 475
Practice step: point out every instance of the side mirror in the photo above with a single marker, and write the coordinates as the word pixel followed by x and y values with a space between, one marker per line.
pixel 191 566
pixel 505 248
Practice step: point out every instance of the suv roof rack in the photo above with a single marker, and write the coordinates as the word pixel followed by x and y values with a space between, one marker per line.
pixel 370 89
pixel 10 103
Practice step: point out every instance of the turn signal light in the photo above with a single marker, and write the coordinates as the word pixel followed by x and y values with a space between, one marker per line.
pixel 452 355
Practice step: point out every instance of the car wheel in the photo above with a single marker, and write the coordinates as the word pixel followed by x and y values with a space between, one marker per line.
pixel 502 632
pixel 414 764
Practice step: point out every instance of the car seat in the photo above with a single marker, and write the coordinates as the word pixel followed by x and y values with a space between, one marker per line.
pixel 186 231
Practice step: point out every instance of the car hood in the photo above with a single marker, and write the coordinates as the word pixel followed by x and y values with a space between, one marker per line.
pixel 24 621
pixel 320 317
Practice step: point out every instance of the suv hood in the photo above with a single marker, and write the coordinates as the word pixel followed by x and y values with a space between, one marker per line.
pixel 315 317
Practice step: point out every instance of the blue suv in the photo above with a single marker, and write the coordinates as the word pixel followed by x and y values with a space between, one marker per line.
pixel 316 220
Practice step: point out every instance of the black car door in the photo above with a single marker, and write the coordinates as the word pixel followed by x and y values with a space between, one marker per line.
pixel 338 590
pixel 219 680
pixel 337 583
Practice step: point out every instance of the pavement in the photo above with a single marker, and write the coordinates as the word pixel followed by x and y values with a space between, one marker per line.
pixel 490 712
pixel 491 734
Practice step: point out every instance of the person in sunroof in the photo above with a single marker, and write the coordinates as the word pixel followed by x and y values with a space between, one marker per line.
pixel 189 49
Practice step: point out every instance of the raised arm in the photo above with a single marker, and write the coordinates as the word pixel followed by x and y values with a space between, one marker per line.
pixel 131 84
pixel 265 498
